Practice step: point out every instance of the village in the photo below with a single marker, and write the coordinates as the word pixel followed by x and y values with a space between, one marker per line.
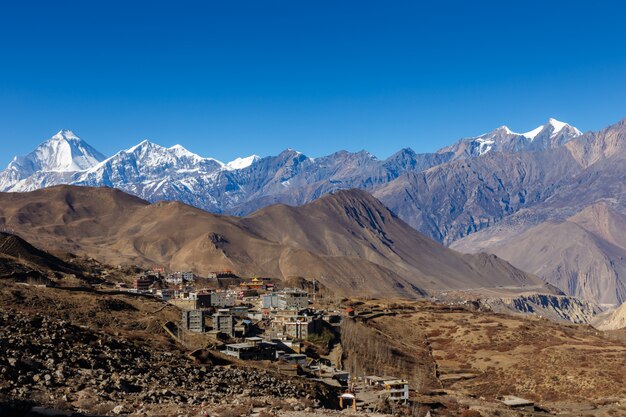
pixel 256 321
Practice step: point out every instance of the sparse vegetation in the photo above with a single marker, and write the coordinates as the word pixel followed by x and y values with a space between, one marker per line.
pixel 323 339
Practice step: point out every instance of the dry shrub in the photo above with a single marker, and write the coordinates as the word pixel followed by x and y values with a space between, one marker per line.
pixel 470 413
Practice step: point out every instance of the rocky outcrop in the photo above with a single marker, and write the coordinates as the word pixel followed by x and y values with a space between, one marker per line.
pixel 552 307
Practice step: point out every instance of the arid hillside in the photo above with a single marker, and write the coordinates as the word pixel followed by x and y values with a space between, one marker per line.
pixel 347 240
pixel 22 262
pixel 570 368
pixel 585 255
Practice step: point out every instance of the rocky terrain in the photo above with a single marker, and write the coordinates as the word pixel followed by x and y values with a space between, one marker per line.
pixel 93 350
pixel 61 365
pixel 558 308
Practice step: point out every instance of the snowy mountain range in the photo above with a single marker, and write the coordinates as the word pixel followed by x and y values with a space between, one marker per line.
pixel 245 184
pixel 547 136
pixel 542 192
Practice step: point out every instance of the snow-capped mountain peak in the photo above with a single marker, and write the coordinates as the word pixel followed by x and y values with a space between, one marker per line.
pixel 141 146
pixel 156 172
pixel 532 134
pixel 550 135
pixel 60 156
pixel 559 126
pixel 555 127
pixel 240 163
pixel 181 150
pixel 505 129
pixel 63 152
pixel 64 134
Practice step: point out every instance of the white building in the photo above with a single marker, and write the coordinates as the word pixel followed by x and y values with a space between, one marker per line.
pixel 397 390
pixel 287 299
pixel 178 278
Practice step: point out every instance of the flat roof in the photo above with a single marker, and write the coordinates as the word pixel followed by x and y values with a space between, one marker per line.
pixel 396 382
pixel 240 345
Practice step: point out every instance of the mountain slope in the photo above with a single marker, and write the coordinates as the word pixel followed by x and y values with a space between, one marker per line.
pixel 611 320
pixel 475 194
pixel 19 259
pixel 453 200
pixel 348 240
pixel 584 255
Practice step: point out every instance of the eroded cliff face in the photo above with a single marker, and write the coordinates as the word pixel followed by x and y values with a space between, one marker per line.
pixel 552 307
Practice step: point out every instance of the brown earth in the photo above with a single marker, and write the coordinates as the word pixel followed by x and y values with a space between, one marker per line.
pixel 132 316
pixel 562 367
pixel 347 240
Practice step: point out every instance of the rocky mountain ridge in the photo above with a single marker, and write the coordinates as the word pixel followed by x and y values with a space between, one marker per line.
pixel 241 186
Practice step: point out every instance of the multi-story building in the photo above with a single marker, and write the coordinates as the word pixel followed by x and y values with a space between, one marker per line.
pixel 397 390
pixel 224 322
pixel 201 299
pixel 193 320
pixel 295 325
pixel 222 299
pixel 178 278
pixel 287 299
pixel 142 284
pixel 293 299
pixel 269 301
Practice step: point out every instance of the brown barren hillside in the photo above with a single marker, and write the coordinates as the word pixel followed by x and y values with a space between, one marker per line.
pixel 572 369
pixel 347 240
pixel 13 248
pixel 584 255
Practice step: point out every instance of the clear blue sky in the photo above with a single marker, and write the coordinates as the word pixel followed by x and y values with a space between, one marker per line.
pixel 230 78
